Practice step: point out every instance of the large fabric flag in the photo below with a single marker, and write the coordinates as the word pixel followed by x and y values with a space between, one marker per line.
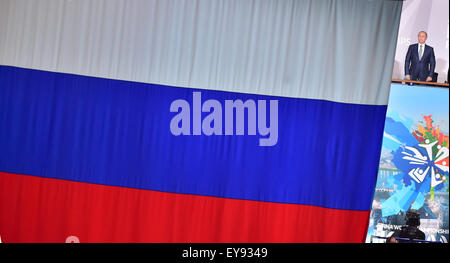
pixel 192 121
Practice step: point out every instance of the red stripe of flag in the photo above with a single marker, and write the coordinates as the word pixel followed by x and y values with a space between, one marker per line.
pixel 35 209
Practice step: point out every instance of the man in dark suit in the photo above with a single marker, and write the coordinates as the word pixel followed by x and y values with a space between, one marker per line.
pixel 420 61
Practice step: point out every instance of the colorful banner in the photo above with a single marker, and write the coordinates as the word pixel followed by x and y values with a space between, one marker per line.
pixel 414 167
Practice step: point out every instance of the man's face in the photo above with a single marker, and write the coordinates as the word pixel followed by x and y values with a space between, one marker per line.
pixel 422 37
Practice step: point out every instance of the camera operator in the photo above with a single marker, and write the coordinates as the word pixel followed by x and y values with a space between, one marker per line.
pixel 411 231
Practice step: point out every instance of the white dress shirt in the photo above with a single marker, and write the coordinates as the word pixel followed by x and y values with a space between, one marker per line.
pixel 418 49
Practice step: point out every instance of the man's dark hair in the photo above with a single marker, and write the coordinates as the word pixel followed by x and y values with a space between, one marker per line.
pixel 412 217
pixel 426 35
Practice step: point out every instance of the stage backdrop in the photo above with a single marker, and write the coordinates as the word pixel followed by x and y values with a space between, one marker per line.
pixel 87 93
pixel 432 17
pixel 414 165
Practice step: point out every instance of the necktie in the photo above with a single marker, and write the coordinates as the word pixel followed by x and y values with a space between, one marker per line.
pixel 420 52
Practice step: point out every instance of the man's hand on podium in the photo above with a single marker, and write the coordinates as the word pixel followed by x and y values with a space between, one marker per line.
pixel 408 77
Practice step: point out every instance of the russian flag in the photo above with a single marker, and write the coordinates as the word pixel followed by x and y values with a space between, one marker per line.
pixel 90 156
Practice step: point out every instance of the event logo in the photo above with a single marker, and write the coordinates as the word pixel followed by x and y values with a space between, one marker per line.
pixel 422 163
pixel 429 163
pixel 419 165
pixel 212 124
pixel 427 160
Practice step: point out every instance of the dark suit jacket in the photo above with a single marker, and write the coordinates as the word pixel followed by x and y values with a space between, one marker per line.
pixel 420 69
